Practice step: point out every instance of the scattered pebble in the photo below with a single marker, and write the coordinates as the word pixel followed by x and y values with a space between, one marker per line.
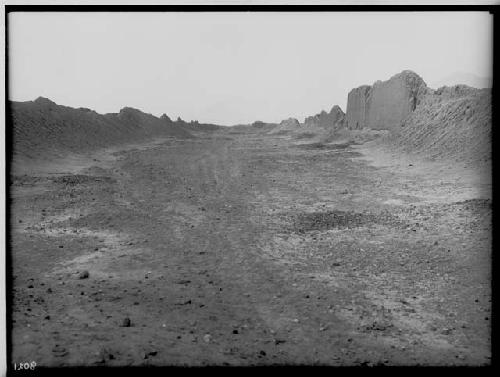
pixel 59 351
pixel 83 275
pixel 150 353
pixel 126 322
pixel 446 331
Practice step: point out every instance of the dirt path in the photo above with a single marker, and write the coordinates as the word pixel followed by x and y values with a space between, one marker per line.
pixel 245 249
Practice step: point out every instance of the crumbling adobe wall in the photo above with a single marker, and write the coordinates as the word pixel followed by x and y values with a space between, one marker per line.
pixel 386 104
pixel 332 120
pixel 357 107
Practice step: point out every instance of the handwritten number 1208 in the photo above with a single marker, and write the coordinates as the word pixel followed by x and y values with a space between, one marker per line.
pixel 25 366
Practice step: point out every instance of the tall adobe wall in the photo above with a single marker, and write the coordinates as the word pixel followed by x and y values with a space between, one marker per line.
pixel 385 104
pixel 357 107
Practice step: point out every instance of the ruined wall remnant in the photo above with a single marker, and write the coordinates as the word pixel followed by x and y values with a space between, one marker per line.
pixel 286 125
pixel 332 120
pixel 385 104
pixel 357 107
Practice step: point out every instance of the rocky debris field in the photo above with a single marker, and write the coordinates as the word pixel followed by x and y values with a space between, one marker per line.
pixel 238 248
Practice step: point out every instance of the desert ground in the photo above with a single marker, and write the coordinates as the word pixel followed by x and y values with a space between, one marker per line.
pixel 242 248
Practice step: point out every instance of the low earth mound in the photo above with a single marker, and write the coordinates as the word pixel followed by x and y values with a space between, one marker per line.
pixel 453 122
pixel 286 126
pixel 41 129
pixel 196 126
pixel 255 127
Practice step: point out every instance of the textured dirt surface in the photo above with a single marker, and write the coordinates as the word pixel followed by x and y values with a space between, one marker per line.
pixel 244 249
pixel 453 123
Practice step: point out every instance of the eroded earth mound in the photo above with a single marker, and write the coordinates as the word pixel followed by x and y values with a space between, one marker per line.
pixel 286 126
pixel 452 122
pixel 41 129
pixel 330 121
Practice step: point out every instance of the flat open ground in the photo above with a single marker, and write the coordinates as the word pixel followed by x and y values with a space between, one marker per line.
pixel 245 249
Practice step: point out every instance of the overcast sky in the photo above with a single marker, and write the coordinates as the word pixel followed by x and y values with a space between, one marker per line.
pixel 231 68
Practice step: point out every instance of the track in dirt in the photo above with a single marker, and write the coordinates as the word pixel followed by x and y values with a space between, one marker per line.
pixel 242 249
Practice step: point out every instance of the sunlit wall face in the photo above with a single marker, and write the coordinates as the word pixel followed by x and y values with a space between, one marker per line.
pixel 232 67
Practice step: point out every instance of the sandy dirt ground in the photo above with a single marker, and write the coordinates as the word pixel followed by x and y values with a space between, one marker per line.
pixel 246 249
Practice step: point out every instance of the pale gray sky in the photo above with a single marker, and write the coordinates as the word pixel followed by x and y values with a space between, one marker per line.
pixel 230 68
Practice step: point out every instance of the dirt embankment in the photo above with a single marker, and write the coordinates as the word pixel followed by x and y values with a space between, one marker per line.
pixel 451 123
pixel 448 124
pixel 452 127
pixel 43 130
